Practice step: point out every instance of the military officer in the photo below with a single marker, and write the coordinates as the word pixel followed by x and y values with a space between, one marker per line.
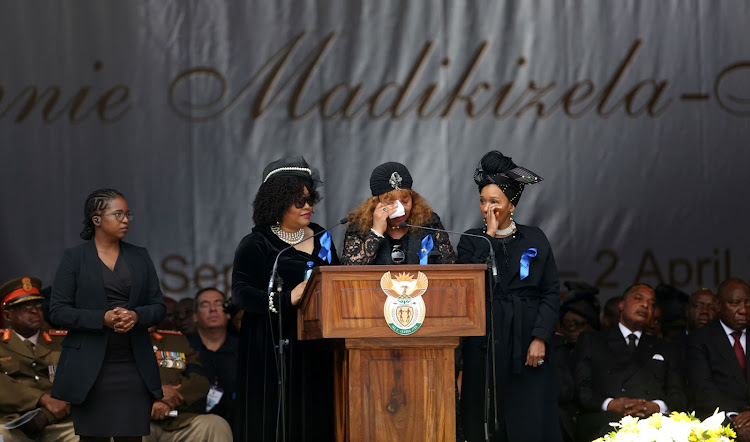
pixel 184 385
pixel 28 360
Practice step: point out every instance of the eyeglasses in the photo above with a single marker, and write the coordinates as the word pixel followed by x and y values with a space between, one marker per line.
pixel 119 216
pixel 300 203
pixel 397 255
pixel 27 308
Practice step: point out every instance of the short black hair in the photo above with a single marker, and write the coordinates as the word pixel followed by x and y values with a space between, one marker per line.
pixel 276 195
pixel 726 283
pixel 632 288
pixel 208 289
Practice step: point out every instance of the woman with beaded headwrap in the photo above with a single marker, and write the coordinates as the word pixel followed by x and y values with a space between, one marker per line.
pixel 522 314
pixel 375 234
pixel 281 212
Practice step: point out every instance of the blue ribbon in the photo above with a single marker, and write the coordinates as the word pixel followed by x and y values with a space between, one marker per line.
pixel 325 247
pixel 526 261
pixel 425 249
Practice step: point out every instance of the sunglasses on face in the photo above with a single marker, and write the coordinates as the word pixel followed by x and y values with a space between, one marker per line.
pixel 300 203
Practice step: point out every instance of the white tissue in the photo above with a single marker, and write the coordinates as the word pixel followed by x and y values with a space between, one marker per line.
pixel 399 210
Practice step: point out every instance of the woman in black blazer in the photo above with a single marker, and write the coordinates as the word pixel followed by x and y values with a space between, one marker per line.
pixel 523 311
pixel 106 293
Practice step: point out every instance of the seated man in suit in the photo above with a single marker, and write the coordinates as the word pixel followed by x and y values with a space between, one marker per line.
pixel 28 359
pixel 623 371
pixel 184 386
pixel 717 358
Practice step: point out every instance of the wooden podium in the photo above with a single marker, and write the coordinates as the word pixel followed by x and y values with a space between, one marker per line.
pixel 390 387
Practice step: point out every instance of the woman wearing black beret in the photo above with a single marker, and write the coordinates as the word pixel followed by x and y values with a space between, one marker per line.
pixel 375 235
pixel 523 312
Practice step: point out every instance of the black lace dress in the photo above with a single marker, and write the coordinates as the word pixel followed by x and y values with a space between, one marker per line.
pixel 372 249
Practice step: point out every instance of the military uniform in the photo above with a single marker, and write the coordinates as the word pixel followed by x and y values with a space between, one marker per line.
pixel 179 364
pixel 27 370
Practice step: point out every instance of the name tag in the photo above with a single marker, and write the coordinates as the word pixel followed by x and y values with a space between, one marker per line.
pixel 213 397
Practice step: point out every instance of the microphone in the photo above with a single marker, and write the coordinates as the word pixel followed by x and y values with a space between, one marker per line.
pixel 490 361
pixel 490 259
pixel 275 270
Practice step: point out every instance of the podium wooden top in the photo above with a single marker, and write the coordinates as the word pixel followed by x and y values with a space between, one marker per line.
pixel 348 302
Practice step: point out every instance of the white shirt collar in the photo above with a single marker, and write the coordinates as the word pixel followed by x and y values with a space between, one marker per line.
pixel 728 330
pixel 34 338
pixel 626 332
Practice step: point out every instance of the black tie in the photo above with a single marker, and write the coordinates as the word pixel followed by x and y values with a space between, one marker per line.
pixel 631 342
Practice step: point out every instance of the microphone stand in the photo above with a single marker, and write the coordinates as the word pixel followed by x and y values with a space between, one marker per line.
pixel 490 360
pixel 276 280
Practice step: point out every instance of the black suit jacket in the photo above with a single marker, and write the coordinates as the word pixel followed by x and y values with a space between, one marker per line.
pixel 714 374
pixel 78 303
pixel 605 369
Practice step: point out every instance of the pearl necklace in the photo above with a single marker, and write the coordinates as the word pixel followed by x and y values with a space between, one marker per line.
pixel 508 230
pixel 289 238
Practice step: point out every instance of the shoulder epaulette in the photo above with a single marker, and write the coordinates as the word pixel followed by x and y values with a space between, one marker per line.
pixel 54 332
pixel 6 334
pixel 170 332
pixel 46 337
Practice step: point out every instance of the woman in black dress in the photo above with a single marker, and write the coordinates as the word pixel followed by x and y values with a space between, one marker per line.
pixel 281 212
pixel 106 293
pixel 524 307
pixel 374 237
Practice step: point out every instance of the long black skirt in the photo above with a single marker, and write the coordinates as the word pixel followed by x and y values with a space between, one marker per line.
pixel 119 404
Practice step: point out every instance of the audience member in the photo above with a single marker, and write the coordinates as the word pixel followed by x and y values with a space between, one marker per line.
pixel 579 311
pixel 622 371
pixel 611 313
pixel 184 385
pixel 672 302
pixel 28 360
pixel 182 318
pixel 717 359
pixel 654 325
pixel 701 308
pixel 168 323
pixel 217 350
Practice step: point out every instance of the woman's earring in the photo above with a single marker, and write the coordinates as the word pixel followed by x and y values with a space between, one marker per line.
pixel 511 216
pixel 96 220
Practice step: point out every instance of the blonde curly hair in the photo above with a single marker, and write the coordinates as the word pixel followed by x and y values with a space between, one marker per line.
pixel 421 213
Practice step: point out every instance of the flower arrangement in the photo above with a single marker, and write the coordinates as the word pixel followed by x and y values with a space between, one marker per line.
pixel 677 427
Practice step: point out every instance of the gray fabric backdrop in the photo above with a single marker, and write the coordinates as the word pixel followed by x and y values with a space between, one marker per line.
pixel 636 113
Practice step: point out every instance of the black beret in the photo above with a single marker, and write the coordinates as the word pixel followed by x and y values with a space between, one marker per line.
pixel 389 177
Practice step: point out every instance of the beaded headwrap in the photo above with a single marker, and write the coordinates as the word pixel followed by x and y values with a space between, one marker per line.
pixel 496 168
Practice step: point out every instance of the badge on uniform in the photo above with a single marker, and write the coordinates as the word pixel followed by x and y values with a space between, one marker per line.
pixel 213 397
pixel 171 359
pixel 52 369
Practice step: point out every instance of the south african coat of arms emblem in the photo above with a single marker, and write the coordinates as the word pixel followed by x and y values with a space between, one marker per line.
pixel 404 308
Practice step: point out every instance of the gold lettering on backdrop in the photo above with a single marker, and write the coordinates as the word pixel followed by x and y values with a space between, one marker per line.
pixel 111 106
pixel 729 80
pixel 289 72
pixel 177 277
